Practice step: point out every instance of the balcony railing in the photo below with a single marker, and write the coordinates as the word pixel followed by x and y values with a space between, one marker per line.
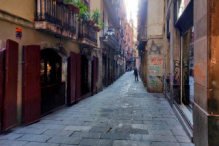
pixel 56 13
pixel 88 32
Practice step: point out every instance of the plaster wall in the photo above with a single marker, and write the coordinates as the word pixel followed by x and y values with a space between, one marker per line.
pixel 155 17
pixel 31 36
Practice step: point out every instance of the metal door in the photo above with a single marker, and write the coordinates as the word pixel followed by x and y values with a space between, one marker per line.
pixel 78 77
pixel 31 84
pixel 2 84
pixel 71 78
pixel 11 80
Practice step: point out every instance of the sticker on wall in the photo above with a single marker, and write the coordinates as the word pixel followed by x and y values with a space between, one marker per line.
pixel 18 33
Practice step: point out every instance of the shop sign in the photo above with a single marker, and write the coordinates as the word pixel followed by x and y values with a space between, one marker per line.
pixel 18 33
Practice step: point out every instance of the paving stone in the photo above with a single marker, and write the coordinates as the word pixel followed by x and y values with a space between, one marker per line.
pixel 11 136
pixel 35 138
pixel 100 129
pixel 165 144
pixel 40 144
pixel 93 135
pixel 29 130
pixel 58 133
pixel 122 114
pixel 96 142
pixel 65 140
pixel 130 143
pixel 160 132
pixel 183 139
pixel 159 138
pixel 78 128
pixel 178 132
pixel 115 136
pixel 187 144
pixel 12 143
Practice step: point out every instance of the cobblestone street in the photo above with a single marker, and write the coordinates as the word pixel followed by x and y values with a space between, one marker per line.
pixel 123 114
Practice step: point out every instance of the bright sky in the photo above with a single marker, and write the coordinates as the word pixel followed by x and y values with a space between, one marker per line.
pixel 132 8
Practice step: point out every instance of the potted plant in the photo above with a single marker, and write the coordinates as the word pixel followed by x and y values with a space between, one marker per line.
pixel 83 13
pixel 91 23
pixel 99 26
pixel 72 5
pixel 96 16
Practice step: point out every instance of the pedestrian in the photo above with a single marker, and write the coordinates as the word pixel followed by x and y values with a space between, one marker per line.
pixel 136 74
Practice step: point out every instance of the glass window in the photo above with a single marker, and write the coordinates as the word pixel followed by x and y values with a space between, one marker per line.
pixel 50 67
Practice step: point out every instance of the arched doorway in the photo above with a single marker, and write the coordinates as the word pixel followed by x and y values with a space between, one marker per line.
pixel 52 87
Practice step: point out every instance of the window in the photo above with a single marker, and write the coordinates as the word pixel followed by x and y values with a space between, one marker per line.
pixel 50 67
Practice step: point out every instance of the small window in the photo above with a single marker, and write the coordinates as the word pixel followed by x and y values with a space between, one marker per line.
pixel 50 67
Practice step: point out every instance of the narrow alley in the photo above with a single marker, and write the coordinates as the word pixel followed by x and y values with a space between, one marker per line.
pixel 124 114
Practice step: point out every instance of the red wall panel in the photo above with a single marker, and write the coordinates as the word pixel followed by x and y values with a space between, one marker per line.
pixel 78 77
pixel 31 84
pixel 11 81
pixel 2 85
pixel 71 78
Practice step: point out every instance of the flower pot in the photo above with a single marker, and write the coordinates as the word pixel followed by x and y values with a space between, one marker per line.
pixel 75 9
pixel 91 23
pixel 97 29
pixel 70 7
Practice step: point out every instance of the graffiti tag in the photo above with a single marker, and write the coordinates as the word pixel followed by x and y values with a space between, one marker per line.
pixel 156 61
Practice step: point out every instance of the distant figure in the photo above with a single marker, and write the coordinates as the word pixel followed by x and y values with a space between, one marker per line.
pixel 136 74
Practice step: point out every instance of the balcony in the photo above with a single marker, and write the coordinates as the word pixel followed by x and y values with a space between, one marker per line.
pixel 87 35
pixel 112 41
pixel 112 12
pixel 55 18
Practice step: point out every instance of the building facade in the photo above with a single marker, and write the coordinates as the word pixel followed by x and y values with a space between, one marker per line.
pixel 51 58
pixel 188 64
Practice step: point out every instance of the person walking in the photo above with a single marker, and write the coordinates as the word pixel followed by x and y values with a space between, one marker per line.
pixel 136 74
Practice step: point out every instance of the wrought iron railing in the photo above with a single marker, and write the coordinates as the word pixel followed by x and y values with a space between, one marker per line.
pixel 86 31
pixel 56 13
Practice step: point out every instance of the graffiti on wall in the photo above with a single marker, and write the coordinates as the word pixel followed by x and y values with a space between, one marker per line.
pixel 154 49
pixel 156 61
pixel 156 68
pixel 176 76
pixel 186 71
pixel 155 80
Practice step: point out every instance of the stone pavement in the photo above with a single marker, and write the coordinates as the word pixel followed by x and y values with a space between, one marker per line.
pixel 124 114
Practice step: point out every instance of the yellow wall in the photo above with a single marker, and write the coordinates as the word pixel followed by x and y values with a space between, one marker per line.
pixel 23 8
pixel 31 36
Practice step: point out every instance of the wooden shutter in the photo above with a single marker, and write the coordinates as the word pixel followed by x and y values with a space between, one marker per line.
pixel 2 85
pixel 78 77
pixel 31 84
pixel 11 81
pixel 71 78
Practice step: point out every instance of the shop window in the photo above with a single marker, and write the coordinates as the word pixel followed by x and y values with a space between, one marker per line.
pixel 50 67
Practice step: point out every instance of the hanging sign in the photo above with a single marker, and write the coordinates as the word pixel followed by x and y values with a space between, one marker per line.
pixel 18 33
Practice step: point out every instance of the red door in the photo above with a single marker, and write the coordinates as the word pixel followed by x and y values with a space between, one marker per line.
pixel 78 77
pixel 31 84
pixel 71 78
pixel 2 84
pixel 11 80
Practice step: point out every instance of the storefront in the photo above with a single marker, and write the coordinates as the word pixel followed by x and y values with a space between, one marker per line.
pixel 182 77
pixel 52 87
